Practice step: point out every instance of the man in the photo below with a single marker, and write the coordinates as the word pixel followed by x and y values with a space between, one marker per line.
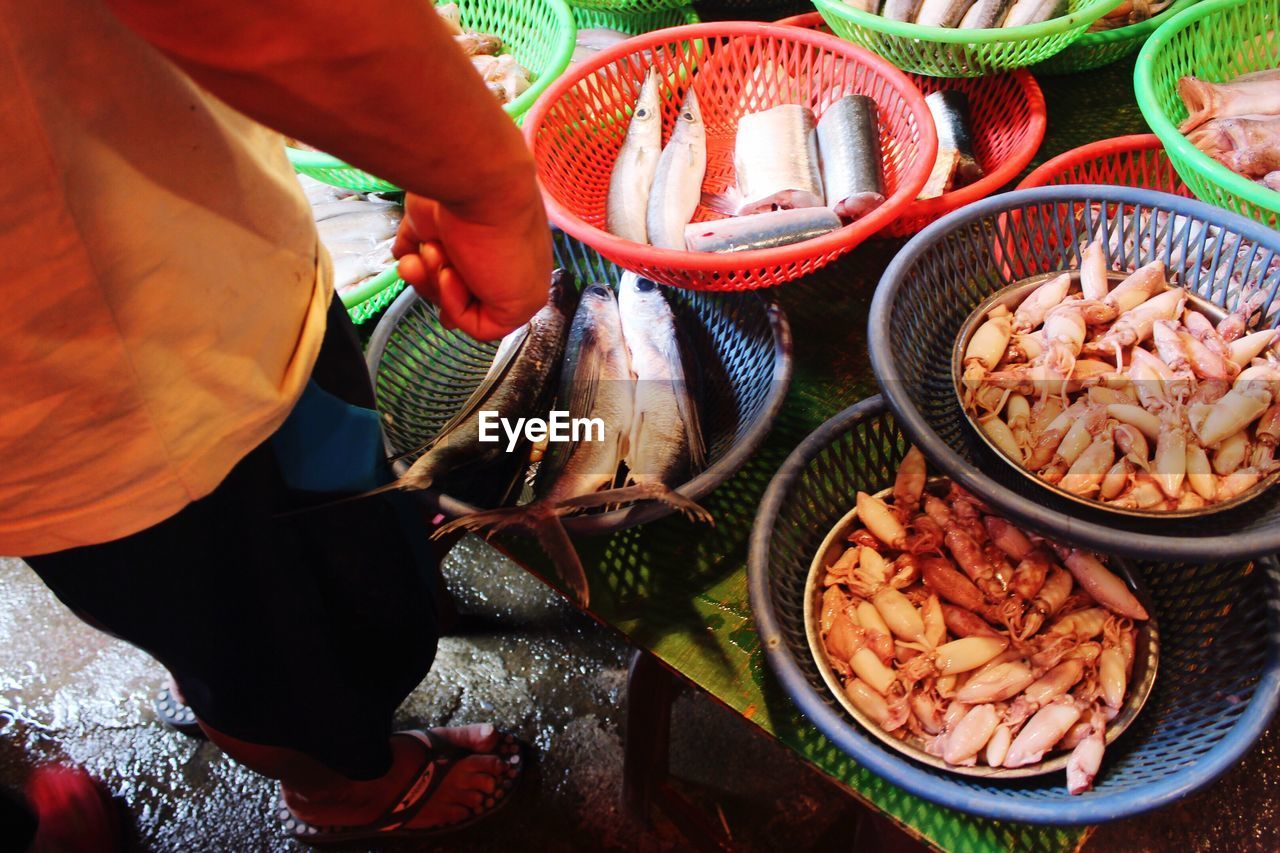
pixel 171 391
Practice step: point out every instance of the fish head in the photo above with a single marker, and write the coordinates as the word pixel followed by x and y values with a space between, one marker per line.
pixel 563 298
pixel 648 105
pixel 641 299
pixel 690 113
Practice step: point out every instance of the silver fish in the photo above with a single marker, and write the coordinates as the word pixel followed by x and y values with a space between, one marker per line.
pixel 984 14
pixel 955 166
pixel 637 162
pixel 375 224
pixel 941 13
pixel 666 444
pixel 1031 12
pixel 595 382
pixel 775 160
pixel 900 10
pixel 356 204
pixel 849 141
pixel 760 230
pixel 677 185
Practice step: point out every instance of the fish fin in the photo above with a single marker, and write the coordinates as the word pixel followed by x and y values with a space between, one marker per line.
pixel 381 490
pixel 687 391
pixel 640 492
pixel 726 202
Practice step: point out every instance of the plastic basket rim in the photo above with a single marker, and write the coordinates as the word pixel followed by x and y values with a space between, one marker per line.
pixel 685 10
pixel 706 481
pixel 1008 169
pixel 990 803
pixel 1054 166
pixel 1196 160
pixel 635 255
pixel 562 54
pixel 1252 543
pixel 371 287
pixel 1085 15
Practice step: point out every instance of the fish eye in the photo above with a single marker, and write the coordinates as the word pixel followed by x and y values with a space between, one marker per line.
pixel 596 290
pixel 642 113
pixel 687 116
pixel 644 285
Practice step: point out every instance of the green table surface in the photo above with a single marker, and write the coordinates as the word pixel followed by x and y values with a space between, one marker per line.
pixel 679 590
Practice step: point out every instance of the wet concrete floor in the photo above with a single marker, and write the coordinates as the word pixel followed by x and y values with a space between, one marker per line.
pixel 528 662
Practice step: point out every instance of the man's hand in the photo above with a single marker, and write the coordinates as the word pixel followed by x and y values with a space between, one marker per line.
pixel 487 279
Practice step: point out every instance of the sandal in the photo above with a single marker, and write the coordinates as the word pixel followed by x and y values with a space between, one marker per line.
pixel 441 756
pixel 177 715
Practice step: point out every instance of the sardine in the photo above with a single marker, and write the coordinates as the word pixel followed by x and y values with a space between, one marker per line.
pixel 900 10
pixel 775 160
pixel 637 162
pixel 1031 12
pixel 956 165
pixel 941 13
pixel 677 184
pixel 1257 96
pixel 595 382
pixel 984 14
pixel 849 144
pixel 760 230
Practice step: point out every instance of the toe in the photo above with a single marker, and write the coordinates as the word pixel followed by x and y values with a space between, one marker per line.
pixel 480 737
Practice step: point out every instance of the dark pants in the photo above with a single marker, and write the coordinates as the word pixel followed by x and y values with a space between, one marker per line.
pixel 304 632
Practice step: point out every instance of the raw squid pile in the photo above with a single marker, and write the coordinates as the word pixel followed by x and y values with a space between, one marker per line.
pixel 1127 395
pixel 967 14
pixel 505 77
pixel 1130 12
pixel 1237 123
pixel 948 623
pixel 357 229
pixel 796 177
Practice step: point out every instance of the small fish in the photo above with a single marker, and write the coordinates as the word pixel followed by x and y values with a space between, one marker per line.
pixel 775 160
pixel 595 382
pixel 677 185
pixel 849 142
pixel 941 13
pixel 956 165
pixel 373 225
pixel 984 14
pixel 900 10
pixel 1024 12
pixel 1257 96
pixel 760 230
pixel 637 162
pixel 595 39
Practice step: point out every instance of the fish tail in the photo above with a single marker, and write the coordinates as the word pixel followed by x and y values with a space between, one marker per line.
pixel 1201 99
pixel 389 487
pixel 641 492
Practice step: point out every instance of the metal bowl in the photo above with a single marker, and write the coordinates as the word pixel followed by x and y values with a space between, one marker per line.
pixel 1012 296
pixel 1146 658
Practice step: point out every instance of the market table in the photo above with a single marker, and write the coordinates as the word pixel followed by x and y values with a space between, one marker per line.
pixel 678 592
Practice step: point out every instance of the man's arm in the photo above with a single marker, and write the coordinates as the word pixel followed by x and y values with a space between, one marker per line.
pixel 381 85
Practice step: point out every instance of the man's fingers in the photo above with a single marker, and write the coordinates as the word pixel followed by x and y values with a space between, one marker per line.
pixel 454 297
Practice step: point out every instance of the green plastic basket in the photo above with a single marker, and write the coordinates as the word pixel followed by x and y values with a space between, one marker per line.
pixel 1094 50
pixel 1216 40
pixel 633 22
pixel 374 294
pixel 540 34
pixel 953 52
pixel 633 7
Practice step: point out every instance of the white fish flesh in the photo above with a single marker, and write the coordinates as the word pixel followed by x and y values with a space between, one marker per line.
pixel 775 160
pixel 984 14
pixel 1024 12
pixel 677 185
pixel 637 163
pixel 941 13
pixel 849 145
pixel 761 230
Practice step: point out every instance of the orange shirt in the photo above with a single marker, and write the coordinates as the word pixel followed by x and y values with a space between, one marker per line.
pixel 161 283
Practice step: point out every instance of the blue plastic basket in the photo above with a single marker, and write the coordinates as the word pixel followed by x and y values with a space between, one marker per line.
pixel 422 374
pixel 942 274
pixel 1219 672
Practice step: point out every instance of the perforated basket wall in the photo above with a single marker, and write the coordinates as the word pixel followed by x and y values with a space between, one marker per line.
pixel 945 271
pixel 1216 40
pixel 1215 691
pixel 629 6
pixel 631 21
pixel 951 52
pixel 540 34
pixel 1096 49
pixel 578 126
pixel 1125 161
pixel 422 374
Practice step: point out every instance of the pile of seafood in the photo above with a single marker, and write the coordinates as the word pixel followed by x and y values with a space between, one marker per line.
pixel 795 177
pixel 1130 12
pixel 966 14
pixel 948 624
pixel 1237 123
pixel 505 77
pixel 616 358
pixel 358 230
pixel 1080 381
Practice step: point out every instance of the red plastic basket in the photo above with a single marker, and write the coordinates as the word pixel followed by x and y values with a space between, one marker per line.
pixel 1126 161
pixel 576 128
pixel 1009 118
